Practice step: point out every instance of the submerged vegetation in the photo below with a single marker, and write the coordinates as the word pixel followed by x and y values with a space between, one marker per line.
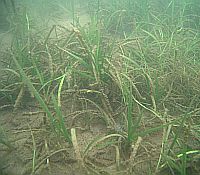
pixel 112 95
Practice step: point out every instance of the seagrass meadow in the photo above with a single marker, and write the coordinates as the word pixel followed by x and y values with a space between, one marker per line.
pixel 100 87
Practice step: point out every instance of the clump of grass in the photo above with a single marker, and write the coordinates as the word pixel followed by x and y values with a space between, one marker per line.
pixel 57 124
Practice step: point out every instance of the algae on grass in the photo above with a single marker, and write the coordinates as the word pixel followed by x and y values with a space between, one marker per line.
pixel 4 139
pixel 130 75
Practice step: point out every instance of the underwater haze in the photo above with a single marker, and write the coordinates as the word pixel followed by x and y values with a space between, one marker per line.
pixel 99 87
